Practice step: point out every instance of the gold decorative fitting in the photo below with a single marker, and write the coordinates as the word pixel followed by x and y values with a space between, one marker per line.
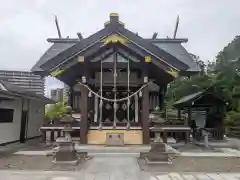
pixel 56 72
pixel 148 59
pixel 80 58
pixel 114 14
pixel 172 72
pixel 114 38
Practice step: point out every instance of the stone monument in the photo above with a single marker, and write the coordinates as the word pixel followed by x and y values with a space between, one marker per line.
pixel 65 151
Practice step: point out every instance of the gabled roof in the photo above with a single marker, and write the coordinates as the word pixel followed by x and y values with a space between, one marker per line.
pixel 51 59
pixel 190 99
pixel 13 90
pixel 53 51
pixel 177 50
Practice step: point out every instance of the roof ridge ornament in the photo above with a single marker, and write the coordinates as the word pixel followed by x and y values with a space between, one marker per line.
pixel 115 38
pixel 114 19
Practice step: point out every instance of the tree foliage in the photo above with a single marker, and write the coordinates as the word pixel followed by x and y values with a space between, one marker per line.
pixel 55 111
pixel 224 73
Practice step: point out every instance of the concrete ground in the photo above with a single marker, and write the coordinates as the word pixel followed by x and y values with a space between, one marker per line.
pixel 115 167
pixel 112 167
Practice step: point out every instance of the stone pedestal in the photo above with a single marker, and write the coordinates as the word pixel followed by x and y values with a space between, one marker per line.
pixel 65 153
pixel 157 154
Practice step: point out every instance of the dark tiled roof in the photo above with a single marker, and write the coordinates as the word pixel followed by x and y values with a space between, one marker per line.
pixel 53 51
pixel 76 48
pixel 178 51
pixel 191 98
pixel 64 49
pixel 188 98
pixel 16 90
pixel 153 49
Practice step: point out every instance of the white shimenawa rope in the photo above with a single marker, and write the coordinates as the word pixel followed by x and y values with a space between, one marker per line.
pixel 117 100
pixel 128 101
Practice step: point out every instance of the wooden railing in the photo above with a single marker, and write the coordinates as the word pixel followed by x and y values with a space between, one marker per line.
pixel 214 133
pixel 174 121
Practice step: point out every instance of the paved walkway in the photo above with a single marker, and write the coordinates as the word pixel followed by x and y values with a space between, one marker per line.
pixel 53 175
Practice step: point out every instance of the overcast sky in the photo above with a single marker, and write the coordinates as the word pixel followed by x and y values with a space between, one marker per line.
pixel 25 24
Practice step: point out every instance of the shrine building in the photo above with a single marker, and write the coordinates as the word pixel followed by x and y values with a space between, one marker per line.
pixel 116 79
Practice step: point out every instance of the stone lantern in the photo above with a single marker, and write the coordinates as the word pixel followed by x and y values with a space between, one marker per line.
pixel 65 151
pixel 157 153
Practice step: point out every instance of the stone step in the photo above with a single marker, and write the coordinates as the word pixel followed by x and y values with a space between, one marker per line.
pixel 112 149
pixel 159 161
pixel 157 157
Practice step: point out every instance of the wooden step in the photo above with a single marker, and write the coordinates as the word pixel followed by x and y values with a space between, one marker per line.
pixel 129 136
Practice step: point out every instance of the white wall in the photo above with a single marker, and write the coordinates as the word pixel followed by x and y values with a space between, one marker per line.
pixel 11 131
pixel 36 118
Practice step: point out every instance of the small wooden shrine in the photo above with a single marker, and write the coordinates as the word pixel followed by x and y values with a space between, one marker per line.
pixel 209 104
pixel 116 79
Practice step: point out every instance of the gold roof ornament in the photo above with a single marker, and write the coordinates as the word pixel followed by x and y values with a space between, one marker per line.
pixel 114 38
pixel 114 14
pixel 56 72
pixel 148 59
pixel 114 17
pixel 172 72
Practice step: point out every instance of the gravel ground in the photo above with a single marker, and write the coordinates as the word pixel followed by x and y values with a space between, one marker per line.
pixel 196 148
pixel 180 164
pixel 19 162
pixel 195 164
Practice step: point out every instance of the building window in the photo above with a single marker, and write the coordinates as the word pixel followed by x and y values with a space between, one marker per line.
pixel 6 115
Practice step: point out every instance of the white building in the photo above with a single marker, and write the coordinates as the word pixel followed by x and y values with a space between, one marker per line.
pixel 57 94
pixel 24 79
pixel 21 113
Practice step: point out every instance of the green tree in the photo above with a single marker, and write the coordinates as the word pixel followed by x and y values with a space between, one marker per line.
pixel 224 73
pixel 55 111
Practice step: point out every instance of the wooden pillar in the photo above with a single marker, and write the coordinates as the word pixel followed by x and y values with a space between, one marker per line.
pixel 84 115
pixel 70 97
pixel 145 115
pixel 189 116
pixel 186 121
pixel 179 114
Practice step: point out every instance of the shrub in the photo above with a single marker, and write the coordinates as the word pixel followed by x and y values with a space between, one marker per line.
pixel 55 111
pixel 233 118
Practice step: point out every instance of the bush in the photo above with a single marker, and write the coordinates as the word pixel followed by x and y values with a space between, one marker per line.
pixel 233 118
pixel 55 111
